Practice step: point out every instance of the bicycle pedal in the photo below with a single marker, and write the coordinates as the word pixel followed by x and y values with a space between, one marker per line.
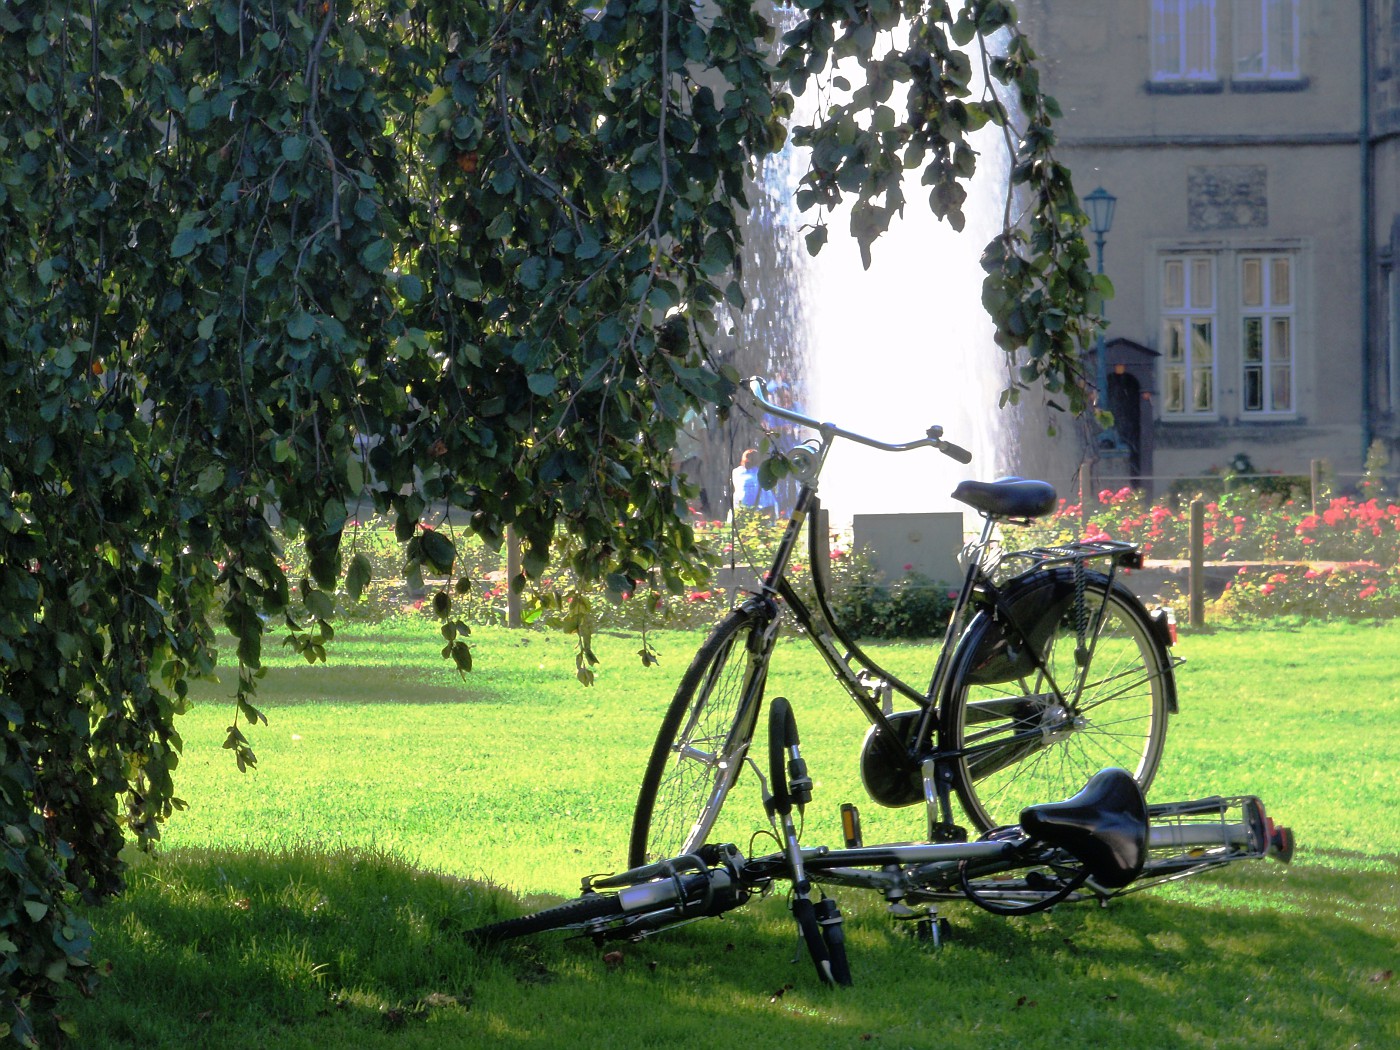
pixel 850 826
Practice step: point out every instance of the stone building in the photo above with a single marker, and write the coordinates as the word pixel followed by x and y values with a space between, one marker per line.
pixel 1253 148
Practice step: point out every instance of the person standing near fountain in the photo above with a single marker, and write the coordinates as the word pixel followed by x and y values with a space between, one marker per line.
pixel 747 490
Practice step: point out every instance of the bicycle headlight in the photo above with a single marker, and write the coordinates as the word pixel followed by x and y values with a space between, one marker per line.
pixel 804 459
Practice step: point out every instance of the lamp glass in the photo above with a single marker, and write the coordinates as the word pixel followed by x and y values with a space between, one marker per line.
pixel 1100 206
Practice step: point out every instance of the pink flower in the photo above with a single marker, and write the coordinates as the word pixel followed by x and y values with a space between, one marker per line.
pixel 699 596
pixel 1267 589
pixel 909 566
pixel 1366 592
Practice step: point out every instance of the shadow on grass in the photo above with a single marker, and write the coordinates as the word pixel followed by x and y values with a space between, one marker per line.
pixel 210 947
pixel 354 948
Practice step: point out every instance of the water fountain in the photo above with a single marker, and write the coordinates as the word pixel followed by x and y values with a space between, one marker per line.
pixel 886 351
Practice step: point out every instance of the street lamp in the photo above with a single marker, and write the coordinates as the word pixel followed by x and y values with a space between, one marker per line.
pixel 1100 204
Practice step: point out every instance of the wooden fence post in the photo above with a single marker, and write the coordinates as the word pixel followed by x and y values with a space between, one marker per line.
pixel 1316 468
pixel 1196 584
pixel 513 569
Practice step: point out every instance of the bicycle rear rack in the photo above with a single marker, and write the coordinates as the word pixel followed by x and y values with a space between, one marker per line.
pixel 1187 837
pixel 1124 555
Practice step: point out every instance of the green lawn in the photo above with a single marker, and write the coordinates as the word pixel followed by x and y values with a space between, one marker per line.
pixel 319 900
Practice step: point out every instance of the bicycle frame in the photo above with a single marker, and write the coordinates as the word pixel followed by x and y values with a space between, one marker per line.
pixel 1183 838
pixel 870 686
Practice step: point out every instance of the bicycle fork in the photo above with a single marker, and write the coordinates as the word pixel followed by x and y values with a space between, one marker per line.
pixel 819 922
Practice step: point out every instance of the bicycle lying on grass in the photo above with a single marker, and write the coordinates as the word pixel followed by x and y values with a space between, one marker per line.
pixel 1102 842
pixel 1053 680
pixel 1049 671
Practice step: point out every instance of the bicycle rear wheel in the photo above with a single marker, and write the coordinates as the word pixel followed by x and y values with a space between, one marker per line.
pixel 1021 735
pixel 703 740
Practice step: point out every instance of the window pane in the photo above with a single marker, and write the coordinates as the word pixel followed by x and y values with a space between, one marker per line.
pixel 1166 38
pixel 1173 285
pixel 1254 339
pixel 1280 348
pixel 1282 38
pixel 1283 389
pixel 1176 390
pixel 1202 343
pixel 1249 38
pixel 1202 287
pixel 1174 340
pixel 1200 38
pixel 1280 284
pixel 1253 389
pixel 1200 394
pixel 1252 282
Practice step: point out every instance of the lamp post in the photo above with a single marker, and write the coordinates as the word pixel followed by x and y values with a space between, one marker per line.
pixel 1100 204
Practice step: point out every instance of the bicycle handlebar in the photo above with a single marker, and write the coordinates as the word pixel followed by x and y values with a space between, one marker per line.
pixel 933 437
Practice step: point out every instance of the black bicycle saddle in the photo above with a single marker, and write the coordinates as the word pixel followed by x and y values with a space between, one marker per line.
pixel 1008 497
pixel 1104 825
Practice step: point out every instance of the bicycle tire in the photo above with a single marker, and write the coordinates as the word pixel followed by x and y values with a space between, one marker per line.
pixel 716 704
pixel 1012 743
pixel 569 915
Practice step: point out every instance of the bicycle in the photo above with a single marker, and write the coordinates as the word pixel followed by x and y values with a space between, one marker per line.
pixel 1102 842
pixel 1048 671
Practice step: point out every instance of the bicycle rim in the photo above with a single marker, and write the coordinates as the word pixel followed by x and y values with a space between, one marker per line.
pixel 1016 743
pixel 702 743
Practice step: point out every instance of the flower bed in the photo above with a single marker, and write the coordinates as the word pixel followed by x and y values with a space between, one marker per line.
pixel 1339 560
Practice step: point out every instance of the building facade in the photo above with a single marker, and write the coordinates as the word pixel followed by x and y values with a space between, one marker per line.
pixel 1253 148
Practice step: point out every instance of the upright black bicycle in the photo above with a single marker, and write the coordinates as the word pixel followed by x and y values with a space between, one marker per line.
pixel 1050 670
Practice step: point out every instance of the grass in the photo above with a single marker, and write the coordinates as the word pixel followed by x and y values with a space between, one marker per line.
pixel 319 901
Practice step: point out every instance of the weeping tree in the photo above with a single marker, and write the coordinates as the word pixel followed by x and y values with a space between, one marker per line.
pixel 264 258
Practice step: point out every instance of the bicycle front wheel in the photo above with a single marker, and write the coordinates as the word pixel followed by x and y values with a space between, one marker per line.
pixel 1021 734
pixel 703 740
pixel 577 914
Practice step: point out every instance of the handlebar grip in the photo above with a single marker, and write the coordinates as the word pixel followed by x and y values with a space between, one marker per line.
pixel 953 451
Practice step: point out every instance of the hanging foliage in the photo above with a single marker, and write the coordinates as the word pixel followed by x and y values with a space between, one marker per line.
pixel 261 257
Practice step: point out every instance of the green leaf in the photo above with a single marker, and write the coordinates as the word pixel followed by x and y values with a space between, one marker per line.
pixel 185 242
pixel 411 287
pixel 532 273
pixel 438 551
pixel 294 148
pixel 377 255
pixel 357 577
pixel 302 325
pixel 542 384
pixel 210 479
pixel 39 95
pixel 319 604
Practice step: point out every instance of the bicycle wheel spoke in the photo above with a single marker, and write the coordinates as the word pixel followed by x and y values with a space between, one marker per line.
pixel 701 745
pixel 1042 743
